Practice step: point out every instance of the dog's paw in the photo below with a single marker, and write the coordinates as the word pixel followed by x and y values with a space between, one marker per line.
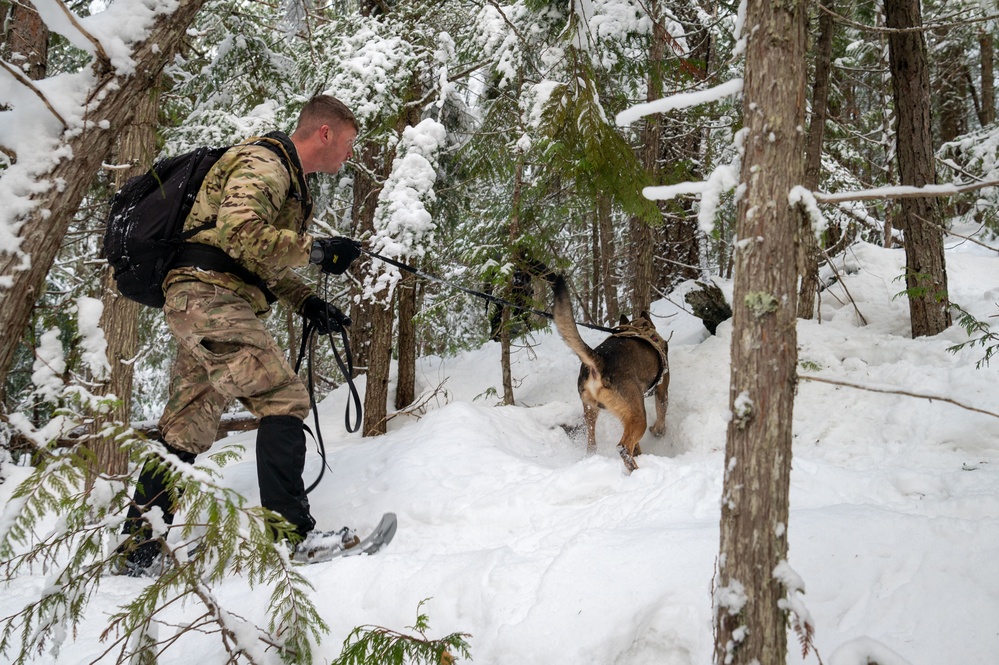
pixel 629 462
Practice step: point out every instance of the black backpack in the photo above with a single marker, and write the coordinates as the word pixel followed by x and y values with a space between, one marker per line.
pixel 144 228
pixel 144 237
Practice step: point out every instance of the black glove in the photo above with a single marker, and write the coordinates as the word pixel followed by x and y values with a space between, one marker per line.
pixel 334 255
pixel 325 317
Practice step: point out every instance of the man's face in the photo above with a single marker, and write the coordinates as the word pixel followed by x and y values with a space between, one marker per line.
pixel 338 145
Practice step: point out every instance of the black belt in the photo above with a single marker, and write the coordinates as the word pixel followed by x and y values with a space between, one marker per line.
pixel 206 257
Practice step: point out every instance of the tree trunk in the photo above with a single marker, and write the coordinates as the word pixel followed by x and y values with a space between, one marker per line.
pixel 405 391
pixel 642 237
pixel 25 39
pixel 119 320
pixel 920 219
pixel 379 363
pixel 608 256
pixel 512 237
pixel 365 190
pixel 679 240
pixel 371 331
pixel 987 114
pixel 597 260
pixel 810 251
pixel 112 100
pixel 750 627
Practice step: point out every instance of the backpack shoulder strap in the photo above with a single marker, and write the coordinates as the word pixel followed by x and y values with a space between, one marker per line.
pixel 281 144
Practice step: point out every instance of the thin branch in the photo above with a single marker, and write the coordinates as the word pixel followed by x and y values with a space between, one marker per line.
pixel 887 391
pixel 903 192
pixel 923 28
pixel 90 38
pixel 842 282
pixel 26 82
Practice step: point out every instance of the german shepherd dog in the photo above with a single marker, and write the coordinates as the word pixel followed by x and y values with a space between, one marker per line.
pixel 617 374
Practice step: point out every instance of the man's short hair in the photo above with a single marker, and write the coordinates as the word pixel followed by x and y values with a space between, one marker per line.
pixel 325 110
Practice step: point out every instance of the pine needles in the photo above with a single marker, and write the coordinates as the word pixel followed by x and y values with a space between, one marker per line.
pixel 374 644
pixel 80 549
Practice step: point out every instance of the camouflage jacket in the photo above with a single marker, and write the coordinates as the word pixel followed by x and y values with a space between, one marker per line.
pixel 260 211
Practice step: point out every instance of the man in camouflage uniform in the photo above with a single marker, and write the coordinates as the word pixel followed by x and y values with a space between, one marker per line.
pixel 255 208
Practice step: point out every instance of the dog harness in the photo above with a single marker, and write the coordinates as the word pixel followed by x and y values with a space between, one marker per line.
pixel 649 335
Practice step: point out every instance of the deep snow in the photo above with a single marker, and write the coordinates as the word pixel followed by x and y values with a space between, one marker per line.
pixel 545 555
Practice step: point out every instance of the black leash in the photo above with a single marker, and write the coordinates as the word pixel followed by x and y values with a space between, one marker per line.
pixel 485 296
pixel 308 332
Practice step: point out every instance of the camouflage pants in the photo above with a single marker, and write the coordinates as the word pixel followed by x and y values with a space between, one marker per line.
pixel 224 352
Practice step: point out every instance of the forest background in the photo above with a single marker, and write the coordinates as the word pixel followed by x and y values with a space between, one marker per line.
pixel 608 139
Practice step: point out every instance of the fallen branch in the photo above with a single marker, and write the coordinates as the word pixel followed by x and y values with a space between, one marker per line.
pixel 893 391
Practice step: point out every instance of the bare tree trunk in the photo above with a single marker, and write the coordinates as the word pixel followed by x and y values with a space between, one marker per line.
pixel 382 314
pixel 27 36
pixel 597 260
pixel 371 331
pixel 505 368
pixel 810 252
pixel 608 256
pixel 365 190
pixel 750 626
pixel 986 43
pixel 405 391
pixel 112 101
pixel 379 364
pixel 119 320
pixel 679 239
pixel 925 266
pixel 513 236
pixel 642 236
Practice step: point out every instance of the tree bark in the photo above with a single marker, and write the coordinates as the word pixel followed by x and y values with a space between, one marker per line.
pixel 920 219
pixel 365 191
pixel 986 43
pixel 810 252
pixel 379 363
pixel 371 331
pixel 750 627
pixel 513 235
pixel 120 317
pixel 111 101
pixel 608 255
pixel 25 39
pixel 405 391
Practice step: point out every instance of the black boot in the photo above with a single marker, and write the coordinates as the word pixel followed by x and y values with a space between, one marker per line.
pixel 280 462
pixel 142 550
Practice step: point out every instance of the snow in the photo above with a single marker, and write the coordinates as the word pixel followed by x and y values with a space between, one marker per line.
pixel 546 555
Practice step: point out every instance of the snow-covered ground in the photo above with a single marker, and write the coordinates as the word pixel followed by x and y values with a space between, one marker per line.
pixel 545 555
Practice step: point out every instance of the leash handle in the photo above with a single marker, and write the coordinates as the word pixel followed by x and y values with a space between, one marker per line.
pixel 308 332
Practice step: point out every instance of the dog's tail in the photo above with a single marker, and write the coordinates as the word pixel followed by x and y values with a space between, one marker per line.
pixel 566 325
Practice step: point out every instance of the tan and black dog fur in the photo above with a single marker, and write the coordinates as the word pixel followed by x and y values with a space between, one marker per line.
pixel 617 375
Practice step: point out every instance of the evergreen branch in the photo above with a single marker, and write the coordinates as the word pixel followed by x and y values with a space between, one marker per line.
pixel 376 644
pixel 233 539
pixel 986 338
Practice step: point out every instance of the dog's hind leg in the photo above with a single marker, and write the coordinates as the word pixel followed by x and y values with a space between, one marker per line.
pixel 662 401
pixel 634 427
